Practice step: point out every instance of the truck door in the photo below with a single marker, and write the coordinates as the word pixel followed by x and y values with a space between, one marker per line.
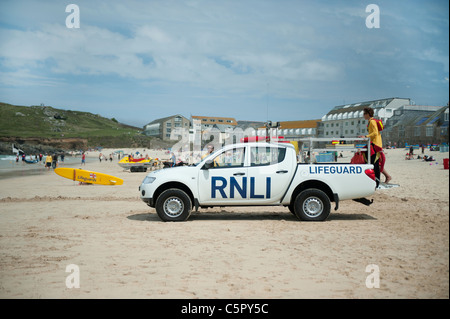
pixel 225 183
pixel 269 173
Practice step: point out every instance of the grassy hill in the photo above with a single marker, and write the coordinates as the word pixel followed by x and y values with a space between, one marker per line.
pixel 50 123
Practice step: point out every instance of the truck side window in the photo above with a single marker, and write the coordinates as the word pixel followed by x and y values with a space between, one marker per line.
pixel 230 158
pixel 260 156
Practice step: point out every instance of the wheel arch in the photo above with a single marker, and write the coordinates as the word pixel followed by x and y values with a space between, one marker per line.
pixel 170 185
pixel 313 184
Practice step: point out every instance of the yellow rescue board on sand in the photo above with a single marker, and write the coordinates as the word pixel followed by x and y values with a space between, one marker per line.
pixel 90 177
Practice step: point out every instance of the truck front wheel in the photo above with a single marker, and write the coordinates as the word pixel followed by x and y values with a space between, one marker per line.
pixel 312 205
pixel 173 205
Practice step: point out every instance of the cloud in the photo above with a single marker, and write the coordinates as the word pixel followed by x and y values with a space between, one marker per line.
pixel 242 50
pixel 24 78
pixel 169 56
pixel 434 55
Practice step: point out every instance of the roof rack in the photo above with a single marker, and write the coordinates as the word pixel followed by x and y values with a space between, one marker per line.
pixel 311 141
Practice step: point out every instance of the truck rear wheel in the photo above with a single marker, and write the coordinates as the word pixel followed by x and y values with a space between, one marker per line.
pixel 173 205
pixel 312 205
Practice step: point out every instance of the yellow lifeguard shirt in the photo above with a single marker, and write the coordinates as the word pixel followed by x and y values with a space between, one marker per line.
pixel 374 135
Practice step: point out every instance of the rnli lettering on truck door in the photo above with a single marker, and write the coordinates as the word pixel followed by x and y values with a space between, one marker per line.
pixel 220 187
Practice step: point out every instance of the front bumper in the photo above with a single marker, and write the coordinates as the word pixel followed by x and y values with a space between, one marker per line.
pixel 147 200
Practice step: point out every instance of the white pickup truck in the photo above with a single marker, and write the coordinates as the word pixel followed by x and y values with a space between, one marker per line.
pixel 256 174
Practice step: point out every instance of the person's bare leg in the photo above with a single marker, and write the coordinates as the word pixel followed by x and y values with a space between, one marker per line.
pixel 386 174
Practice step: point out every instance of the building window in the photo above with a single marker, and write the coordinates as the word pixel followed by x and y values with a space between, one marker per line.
pixel 177 119
pixel 168 124
pixel 177 124
pixel 401 131
pixel 346 123
pixel 352 131
pixel 220 121
pixel 204 120
pixel 212 120
pixel 429 131
pixel 417 131
pixel 168 135
pixel 346 131
pixel 168 130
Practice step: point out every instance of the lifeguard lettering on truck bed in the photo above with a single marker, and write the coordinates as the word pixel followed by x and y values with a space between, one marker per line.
pixel 256 174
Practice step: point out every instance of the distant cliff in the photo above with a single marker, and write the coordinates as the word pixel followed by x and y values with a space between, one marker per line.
pixel 44 128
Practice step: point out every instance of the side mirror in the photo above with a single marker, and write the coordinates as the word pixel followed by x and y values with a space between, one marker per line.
pixel 208 165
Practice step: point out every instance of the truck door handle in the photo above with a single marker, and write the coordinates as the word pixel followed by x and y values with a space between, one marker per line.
pixel 238 174
pixel 282 172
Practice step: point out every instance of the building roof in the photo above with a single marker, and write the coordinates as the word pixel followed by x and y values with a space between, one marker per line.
pixel 416 117
pixel 361 105
pixel 163 119
pixel 252 124
pixel 435 116
pixel 297 124
pixel 215 120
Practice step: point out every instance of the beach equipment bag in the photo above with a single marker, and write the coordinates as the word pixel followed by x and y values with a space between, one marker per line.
pixel 358 158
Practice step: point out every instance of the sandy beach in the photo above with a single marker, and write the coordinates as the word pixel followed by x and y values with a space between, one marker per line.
pixel 123 250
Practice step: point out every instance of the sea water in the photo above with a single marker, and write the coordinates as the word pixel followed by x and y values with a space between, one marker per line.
pixel 10 168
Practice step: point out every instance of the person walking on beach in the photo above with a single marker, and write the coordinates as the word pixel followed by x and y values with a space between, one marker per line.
pixel 54 161
pixel 376 143
pixel 48 161
pixel 83 159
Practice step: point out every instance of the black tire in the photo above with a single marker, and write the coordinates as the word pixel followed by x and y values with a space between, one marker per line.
pixel 173 205
pixel 291 209
pixel 312 205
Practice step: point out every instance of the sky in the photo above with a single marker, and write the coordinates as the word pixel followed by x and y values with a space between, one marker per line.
pixel 253 60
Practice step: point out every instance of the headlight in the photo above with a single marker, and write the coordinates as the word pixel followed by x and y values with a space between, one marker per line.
pixel 148 180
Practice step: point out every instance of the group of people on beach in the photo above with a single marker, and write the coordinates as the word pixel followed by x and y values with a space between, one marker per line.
pixel 50 160
pixel 410 155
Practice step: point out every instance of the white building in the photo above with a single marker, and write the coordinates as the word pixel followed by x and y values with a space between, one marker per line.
pixel 346 121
